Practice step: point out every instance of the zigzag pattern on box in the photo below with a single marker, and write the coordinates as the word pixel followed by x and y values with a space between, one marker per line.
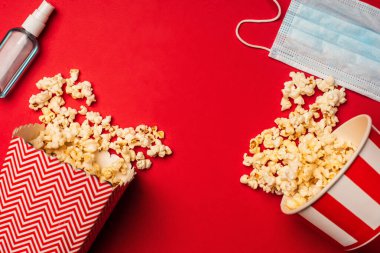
pixel 45 205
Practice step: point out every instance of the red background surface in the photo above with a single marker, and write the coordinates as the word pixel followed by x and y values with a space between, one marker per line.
pixel 178 64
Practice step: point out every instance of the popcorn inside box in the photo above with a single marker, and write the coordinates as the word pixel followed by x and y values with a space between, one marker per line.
pixel 59 181
pixel 47 205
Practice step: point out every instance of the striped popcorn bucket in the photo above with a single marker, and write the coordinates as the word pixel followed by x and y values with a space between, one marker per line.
pixel 348 208
pixel 48 206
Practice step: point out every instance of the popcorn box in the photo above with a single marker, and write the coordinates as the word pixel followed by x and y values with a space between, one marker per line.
pixel 46 205
pixel 348 208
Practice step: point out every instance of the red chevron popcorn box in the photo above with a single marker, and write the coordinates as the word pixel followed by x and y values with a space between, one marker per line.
pixel 348 208
pixel 46 205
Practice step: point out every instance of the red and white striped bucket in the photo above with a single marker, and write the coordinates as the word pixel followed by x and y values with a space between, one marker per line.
pixel 348 208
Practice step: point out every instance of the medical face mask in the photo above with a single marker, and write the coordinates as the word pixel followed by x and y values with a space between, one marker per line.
pixel 339 38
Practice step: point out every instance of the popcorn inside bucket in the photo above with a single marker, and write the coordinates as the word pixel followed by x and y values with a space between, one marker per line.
pixel 348 207
pixel 354 131
pixel 103 158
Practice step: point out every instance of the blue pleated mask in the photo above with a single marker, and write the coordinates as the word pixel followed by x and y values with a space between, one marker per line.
pixel 339 38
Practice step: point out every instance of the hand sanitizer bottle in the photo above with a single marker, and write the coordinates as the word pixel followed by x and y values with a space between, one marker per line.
pixel 19 47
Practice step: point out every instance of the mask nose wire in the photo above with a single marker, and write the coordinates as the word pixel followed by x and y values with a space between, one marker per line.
pixel 257 21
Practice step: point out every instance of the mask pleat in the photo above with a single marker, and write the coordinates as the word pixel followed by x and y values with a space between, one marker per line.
pixel 333 37
pixel 339 32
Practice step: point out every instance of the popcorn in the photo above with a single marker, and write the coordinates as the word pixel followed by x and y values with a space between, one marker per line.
pixel 83 110
pixel 52 84
pixel 74 73
pixel 301 155
pixel 86 89
pixel 81 89
pixel 299 100
pixel 298 86
pixel 90 99
pixel 40 100
pixel 144 164
pixel 285 104
pixel 79 144
pixel 159 150
pixel 94 117
pixel 56 103
pixel 326 85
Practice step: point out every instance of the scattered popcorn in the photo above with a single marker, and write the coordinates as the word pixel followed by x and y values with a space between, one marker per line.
pixel 55 104
pixel 299 156
pixel 53 84
pixel 300 85
pixel 143 164
pixel 83 110
pixel 159 150
pixel 285 104
pixel 81 89
pixel 40 100
pixel 90 99
pixel 74 74
pixel 79 143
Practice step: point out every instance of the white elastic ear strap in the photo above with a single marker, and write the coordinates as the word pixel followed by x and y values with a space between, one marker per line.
pixel 257 21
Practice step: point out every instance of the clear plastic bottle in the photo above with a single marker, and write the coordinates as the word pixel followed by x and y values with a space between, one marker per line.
pixel 19 47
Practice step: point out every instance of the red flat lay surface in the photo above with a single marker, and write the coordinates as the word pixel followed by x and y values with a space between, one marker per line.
pixel 178 65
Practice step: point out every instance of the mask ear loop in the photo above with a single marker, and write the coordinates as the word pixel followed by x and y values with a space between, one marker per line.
pixel 257 21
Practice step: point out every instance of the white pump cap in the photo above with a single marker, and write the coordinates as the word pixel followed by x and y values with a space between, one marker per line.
pixel 35 23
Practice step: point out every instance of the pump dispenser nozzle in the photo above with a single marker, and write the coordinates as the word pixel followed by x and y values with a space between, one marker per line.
pixel 35 22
